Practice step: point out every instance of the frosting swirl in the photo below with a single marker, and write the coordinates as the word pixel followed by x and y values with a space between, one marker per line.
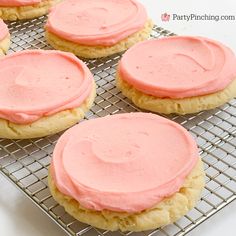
pixel 96 22
pixel 178 67
pixel 36 83
pixel 3 30
pixel 18 3
pixel 117 164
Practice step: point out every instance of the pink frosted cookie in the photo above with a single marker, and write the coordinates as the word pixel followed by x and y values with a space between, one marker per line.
pixel 97 28
pixel 4 38
pixel 180 74
pixel 134 171
pixel 42 92
pixel 24 9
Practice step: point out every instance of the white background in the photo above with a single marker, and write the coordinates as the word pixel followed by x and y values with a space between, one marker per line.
pixel 18 216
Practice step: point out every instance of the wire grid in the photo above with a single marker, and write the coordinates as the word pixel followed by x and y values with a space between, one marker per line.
pixel 25 162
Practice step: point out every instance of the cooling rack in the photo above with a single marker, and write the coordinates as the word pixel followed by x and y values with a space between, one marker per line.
pixel 25 162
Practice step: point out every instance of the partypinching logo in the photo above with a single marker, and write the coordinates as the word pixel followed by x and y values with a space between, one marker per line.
pixel 165 17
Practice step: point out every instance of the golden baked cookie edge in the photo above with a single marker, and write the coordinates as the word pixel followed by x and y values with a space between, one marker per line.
pixel 27 12
pixel 47 125
pixel 177 106
pixel 165 212
pixel 5 45
pixel 98 51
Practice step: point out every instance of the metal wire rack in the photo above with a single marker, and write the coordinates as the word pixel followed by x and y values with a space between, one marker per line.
pixel 25 162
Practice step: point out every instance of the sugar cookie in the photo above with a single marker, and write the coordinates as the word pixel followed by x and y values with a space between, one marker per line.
pixel 24 9
pixel 4 38
pixel 116 174
pixel 42 93
pixel 97 28
pixel 178 74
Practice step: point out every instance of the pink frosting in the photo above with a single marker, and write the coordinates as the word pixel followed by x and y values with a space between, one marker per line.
pixel 18 3
pixel 96 22
pixel 117 164
pixel 36 83
pixel 178 67
pixel 3 30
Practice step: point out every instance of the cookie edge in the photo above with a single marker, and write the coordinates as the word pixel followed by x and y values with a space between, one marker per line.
pixel 27 12
pixel 177 106
pixel 166 212
pixel 47 125
pixel 98 51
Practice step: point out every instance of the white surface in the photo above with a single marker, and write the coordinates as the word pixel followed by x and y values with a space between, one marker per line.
pixel 223 31
pixel 18 216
